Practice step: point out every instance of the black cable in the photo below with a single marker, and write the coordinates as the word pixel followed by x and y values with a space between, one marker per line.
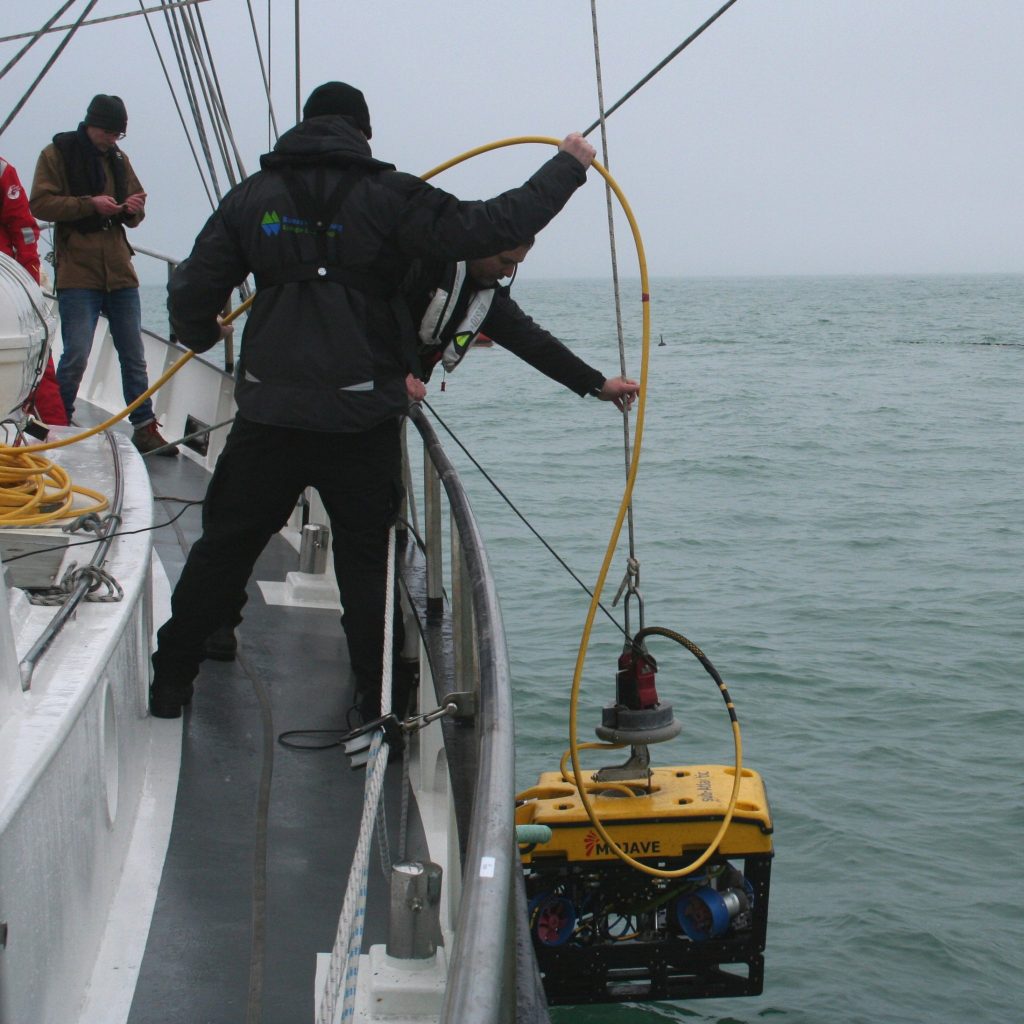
pixel 286 742
pixel 118 533
pixel 695 651
pixel 508 501
pixel 675 53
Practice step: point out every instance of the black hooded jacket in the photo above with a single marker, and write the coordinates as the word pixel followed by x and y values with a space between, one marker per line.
pixel 330 352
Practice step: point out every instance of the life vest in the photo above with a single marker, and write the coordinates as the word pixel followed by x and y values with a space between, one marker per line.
pixel 436 322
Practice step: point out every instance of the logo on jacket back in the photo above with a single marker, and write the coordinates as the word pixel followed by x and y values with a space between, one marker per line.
pixel 271 223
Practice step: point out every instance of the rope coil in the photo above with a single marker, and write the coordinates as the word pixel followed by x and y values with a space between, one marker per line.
pixel 99 579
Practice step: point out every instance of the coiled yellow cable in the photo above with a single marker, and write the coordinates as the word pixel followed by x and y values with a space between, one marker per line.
pixel 25 480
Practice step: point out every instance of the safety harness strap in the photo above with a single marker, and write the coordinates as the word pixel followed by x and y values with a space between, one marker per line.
pixel 323 272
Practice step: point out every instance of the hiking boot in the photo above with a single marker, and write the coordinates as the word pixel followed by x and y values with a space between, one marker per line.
pixel 148 439
pixel 166 700
pixel 221 645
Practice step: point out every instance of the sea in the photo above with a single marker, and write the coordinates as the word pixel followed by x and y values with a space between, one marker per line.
pixel 830 503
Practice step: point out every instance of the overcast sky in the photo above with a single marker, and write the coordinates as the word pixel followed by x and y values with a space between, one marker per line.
pixel 793 137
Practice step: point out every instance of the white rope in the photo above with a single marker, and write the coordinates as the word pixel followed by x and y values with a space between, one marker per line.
pixel 344 965
pixel 343 971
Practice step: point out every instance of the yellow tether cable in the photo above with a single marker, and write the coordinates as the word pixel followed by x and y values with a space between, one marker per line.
pixel 6 452
pixel 574 747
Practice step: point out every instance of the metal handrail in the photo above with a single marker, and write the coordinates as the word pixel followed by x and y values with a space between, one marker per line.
pixel 478 977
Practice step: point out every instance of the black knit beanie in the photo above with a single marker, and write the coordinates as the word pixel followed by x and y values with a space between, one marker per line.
pixel 107 112
pixel 338 98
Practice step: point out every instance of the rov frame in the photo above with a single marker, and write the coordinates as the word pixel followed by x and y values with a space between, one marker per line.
pixel 605 932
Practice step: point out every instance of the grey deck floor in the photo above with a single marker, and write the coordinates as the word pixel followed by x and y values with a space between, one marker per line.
pixel 206 960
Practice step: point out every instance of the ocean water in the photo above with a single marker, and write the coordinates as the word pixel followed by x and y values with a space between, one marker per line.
pixel 830 504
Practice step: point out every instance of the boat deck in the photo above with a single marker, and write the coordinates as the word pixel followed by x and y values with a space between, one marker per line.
pixel 262 833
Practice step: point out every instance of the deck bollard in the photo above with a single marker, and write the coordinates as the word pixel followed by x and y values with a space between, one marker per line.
pixel 316 540
pixel 414 921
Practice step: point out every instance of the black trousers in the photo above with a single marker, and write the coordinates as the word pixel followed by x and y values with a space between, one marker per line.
pixel 255 486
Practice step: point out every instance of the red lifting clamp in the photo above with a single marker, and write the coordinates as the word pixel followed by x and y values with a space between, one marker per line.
pixel 634 682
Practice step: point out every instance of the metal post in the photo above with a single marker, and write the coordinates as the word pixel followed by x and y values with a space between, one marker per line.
pixel 170 273
pixel 432 525
pixel 414 919
pixel 466 674
pixel 316 542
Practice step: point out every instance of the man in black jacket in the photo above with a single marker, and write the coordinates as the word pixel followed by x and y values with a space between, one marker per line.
pixel 329 234
pixel 454 304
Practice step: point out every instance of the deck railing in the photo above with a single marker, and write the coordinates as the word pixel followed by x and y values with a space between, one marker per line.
pixel 469 639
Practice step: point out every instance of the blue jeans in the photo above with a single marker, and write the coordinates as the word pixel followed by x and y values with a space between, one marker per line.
pixel 80 309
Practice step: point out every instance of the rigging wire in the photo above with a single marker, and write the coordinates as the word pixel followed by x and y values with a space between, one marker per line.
pixel 93 21
pixel 46 67
pixel 672 56
pixel 206 88
pixel 264 68
pixel 177 46
pixel 177 107
pixel 33 38
pixel 215 88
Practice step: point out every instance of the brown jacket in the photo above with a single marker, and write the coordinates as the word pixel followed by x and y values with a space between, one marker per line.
pixel 100 259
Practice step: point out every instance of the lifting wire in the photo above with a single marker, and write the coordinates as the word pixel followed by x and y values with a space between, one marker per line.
pixel 631 580
pixel 632 573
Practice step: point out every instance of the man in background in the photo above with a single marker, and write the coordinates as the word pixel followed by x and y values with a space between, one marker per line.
pixel 85 184
pixel 454 304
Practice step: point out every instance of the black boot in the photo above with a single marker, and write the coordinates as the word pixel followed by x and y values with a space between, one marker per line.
pixel 166 699
pixel 221 645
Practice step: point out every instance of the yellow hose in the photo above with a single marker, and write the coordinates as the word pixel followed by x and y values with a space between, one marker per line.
pixel 574 747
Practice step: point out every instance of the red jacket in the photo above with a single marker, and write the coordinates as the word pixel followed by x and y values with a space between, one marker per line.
pixel 19 234
pixel 18 229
